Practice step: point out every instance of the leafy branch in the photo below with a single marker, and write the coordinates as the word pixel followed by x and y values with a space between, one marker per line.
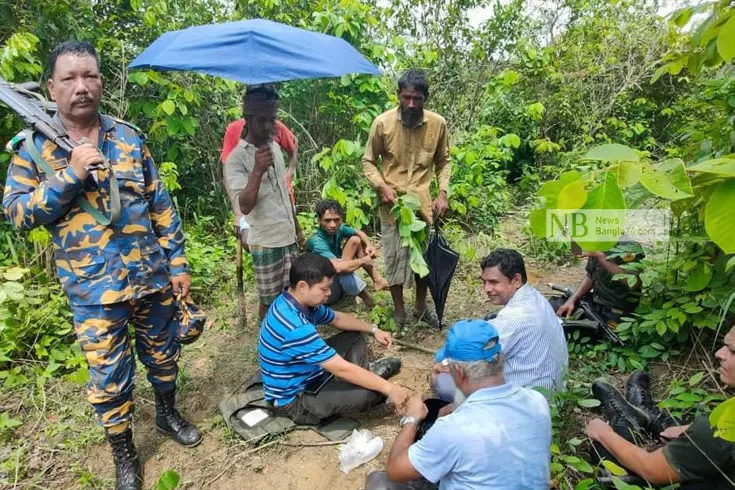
pixel 412 231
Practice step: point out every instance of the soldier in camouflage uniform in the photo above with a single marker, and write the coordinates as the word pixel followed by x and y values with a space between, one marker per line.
pixel 116 274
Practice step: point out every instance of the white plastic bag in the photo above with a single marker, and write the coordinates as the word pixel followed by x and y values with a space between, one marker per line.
pixel 361 448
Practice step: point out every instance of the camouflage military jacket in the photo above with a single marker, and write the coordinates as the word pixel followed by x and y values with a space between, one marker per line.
pixel 99 265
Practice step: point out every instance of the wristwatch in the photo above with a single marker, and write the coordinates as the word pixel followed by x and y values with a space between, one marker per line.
pixel 374 329
pixel 408 420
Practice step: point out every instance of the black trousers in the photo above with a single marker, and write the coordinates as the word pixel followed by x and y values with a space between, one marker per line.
pixel 378 480
pixel 336 396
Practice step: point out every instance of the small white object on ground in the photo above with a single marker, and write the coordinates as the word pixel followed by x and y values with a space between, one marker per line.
pixel 361 448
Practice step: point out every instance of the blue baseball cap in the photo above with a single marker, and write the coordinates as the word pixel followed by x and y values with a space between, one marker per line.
pixel 470 341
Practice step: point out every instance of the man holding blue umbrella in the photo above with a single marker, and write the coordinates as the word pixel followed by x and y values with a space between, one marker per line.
pixel 256 175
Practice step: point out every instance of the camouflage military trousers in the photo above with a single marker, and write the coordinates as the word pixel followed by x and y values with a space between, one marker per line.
pixel 105 339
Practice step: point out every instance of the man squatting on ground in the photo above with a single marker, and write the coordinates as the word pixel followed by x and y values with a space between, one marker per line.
pixel 307 378
pixel 349 250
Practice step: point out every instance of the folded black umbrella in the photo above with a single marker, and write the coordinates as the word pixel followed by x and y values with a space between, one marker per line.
pixel 442 262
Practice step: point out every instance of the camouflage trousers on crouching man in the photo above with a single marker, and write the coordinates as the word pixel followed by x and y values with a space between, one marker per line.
pixel 103 334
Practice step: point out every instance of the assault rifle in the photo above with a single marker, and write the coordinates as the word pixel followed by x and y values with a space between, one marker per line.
pixel 586 314
pixel 26 101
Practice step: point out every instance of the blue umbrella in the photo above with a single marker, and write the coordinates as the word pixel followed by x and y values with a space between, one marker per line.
pixel 254 51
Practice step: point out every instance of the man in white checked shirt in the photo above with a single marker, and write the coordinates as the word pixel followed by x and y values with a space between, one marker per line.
pixel 531 334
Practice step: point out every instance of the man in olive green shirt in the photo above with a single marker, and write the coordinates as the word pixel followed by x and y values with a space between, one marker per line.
pixel 412 144
pixel 611 298
pixel 694 455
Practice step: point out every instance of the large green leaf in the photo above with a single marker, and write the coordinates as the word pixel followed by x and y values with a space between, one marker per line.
pixel 659 183
pixel 627 174
pixel 572 196
pixel 726 40
pixel 718 216
pixel 608 196
pixel 537 219
pixel 677 172
pixel 612 152
pixel 699 278
pixel 722 419
pixel 550 190
pixel 718 166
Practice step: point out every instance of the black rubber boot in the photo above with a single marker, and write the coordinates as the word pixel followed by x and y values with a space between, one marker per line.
pixel 638 393
pixel 127 464
pixel 386 367
pixel 170 422
pixel 619 413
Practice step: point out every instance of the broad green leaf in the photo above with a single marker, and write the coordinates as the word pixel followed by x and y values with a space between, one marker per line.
pixel 614 469
pixel 7 422
pixel 608 196
pixel 550 190
pixel 168 106
pixel 406 216
pixel 510 140
pixel 621 485
pixel 696 379
pixel 722 419
pixel 168 480
pixel 537 219
pixel 572 196
pixel 612 152
pixel 659 183
pixel 677 172
pixel 681 16
pixel 726 40
pixel 627 174
pixel 730 264
pixel 718 166
pixel 718 216
pixel 410 201
pixel 699 278
pixel 589 403
pixel 417 225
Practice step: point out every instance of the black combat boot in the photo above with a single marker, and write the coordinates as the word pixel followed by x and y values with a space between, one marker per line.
pixel 638 393
pixel 617 410
pixel 127 465
pixel 386 367
pixel 170 422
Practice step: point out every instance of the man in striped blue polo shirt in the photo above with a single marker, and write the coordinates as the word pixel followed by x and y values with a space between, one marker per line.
pixel 307 378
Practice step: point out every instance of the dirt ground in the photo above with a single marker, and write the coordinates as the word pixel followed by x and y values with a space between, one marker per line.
pixel 217 366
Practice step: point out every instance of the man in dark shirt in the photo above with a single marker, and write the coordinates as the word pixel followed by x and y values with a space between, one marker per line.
pixel 611 298
pixel 694 455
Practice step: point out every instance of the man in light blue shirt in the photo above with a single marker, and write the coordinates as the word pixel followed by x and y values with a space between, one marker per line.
pixel 534 345
pixel 498 437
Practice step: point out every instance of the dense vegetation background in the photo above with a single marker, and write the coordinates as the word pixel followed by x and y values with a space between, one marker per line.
pixel 527 92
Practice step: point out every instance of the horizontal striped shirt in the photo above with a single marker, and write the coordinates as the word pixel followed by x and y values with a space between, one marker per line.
pixel 533 341
pixel 290 349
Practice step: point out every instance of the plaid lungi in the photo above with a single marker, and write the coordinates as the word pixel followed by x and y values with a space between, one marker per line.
pixel 271 267
pixel 396 257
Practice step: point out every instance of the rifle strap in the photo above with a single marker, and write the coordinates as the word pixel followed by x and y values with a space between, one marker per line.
pixel 80 200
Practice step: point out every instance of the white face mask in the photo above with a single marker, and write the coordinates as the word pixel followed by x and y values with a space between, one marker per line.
pixel 459 397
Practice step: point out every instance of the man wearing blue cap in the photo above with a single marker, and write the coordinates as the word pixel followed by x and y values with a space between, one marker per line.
pixel 498 437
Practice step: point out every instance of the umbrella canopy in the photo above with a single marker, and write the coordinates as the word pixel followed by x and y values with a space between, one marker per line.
pixel 442 262
pixel 254 51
